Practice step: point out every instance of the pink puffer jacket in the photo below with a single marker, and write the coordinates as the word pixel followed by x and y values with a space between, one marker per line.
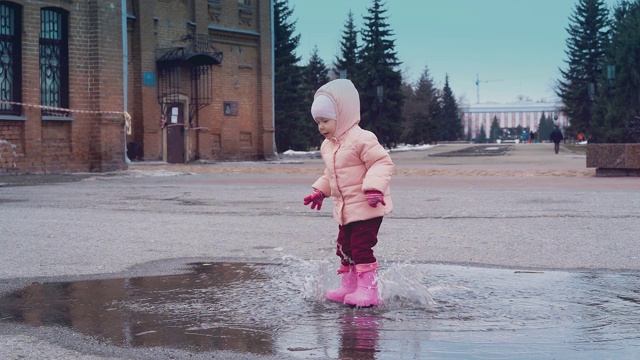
pixel 355 161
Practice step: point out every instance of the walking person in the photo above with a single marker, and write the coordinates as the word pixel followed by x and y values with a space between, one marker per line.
pixel 357 177
pixel 556 137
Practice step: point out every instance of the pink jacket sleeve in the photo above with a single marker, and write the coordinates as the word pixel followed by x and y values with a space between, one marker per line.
pixel 378 163
pixel 323 184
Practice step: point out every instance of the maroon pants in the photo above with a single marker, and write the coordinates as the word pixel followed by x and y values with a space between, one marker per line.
pixel 356 241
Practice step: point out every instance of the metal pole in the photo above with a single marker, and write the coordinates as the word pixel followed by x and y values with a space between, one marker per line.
pixel 125 73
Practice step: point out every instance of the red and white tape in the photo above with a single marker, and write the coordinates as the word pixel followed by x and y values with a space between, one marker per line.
pixel 127 117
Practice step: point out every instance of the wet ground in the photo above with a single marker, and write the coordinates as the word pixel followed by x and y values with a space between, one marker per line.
pixel 430 311
pixel 479 150
pixel 525 255
pixel 34 179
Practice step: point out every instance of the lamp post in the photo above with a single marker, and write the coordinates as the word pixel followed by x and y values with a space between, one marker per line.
pixel 611 74
pixel 380 94
pixel 591 90
pixel 611 77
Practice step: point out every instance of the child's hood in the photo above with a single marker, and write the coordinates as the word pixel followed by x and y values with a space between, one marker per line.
pixel 347 102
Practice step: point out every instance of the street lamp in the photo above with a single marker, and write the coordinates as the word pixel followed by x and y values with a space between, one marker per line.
pixel 591 90
pixel 611 73
pixel 380 94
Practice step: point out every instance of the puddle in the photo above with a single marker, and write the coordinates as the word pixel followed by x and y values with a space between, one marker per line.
pixel 430 311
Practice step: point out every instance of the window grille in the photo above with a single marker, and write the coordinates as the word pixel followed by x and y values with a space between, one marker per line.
pixel 197 57
pixel 54 61
pixel 10 57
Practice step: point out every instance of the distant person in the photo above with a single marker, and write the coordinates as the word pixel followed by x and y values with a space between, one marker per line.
pixel 357 176
pixel 524 136
pixel 556 137
pixel 532 137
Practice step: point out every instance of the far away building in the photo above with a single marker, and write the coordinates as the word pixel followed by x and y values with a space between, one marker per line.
pixel 525 114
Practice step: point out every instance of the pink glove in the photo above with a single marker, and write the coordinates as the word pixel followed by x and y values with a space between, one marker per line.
pixel 374 197
pixel 315 199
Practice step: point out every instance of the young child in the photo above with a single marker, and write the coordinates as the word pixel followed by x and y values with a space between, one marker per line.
pixel 357 176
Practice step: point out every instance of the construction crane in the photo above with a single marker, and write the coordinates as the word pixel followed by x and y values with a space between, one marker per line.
pixel 478 81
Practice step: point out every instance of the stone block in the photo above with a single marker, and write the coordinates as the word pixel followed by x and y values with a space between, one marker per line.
pixel 633 156
pixel 610 156
pixel 614 159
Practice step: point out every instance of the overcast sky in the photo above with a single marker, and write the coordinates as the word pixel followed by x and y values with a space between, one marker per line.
pixel 514 47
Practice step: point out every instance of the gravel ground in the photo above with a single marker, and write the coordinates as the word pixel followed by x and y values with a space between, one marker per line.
pixel 527 209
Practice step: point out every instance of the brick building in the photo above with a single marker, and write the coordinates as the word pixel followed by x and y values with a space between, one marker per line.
pixel 64 55
pixel 194 75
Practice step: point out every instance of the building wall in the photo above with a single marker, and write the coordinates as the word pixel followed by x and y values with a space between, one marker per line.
pixel 243 34
pixel 92 137
pixel 526 115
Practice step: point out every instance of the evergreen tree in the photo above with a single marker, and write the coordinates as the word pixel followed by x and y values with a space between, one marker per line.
pixel 434 123
pixel 419 124
pixel 316 72
pixel 290 130
pixel 494 132
pixel 617 110
pixel 545 127
pixel 482 137
pixel 348 60
pixel 378 79
pixel 315 75
pixel 588 38
pixel 410 134
pixel 450 123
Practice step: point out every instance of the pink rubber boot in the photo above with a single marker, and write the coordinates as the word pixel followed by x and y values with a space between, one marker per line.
pixel 349 284
pixel 367 293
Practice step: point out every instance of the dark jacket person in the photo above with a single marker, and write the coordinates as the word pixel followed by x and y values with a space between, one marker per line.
pixel 556 137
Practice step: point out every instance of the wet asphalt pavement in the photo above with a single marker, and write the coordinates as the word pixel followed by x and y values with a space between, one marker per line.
pixel 527 210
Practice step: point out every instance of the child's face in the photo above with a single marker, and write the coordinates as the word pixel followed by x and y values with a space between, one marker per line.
pixel 327 127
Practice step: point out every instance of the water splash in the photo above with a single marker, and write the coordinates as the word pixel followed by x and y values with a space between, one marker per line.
pixel 404 285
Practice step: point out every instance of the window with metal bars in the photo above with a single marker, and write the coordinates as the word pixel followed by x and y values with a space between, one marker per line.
pixel 10 57
pixel 54 60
